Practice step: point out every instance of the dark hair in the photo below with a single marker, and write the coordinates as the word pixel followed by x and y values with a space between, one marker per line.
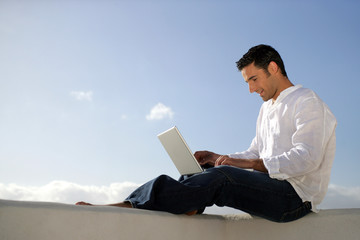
pixel 261 55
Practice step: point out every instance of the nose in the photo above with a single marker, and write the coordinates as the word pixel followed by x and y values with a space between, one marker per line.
pixel 252 86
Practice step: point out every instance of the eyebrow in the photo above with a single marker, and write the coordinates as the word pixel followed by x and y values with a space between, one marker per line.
pixel 250 78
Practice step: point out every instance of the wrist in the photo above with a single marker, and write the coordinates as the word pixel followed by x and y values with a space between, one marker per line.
pixel 258 165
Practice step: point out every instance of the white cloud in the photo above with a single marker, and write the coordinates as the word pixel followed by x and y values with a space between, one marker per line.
pixel 66 192
pixel 82 96
pixel 160 111
pixel 341 197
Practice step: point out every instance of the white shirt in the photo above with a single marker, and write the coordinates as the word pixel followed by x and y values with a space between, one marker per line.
pixel 295 138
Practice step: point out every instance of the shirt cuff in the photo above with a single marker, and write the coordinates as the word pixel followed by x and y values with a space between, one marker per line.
pixel 234 155
pixel 273 167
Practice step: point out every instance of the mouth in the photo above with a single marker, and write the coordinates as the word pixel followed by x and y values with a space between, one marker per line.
pixel 261 92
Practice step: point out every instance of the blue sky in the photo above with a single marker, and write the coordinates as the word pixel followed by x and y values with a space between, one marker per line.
pixel 85 86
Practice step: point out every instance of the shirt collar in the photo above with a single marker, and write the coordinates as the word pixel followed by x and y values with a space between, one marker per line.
pixel 286 92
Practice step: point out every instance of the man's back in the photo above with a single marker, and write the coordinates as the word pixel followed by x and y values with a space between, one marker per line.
pixel 296 139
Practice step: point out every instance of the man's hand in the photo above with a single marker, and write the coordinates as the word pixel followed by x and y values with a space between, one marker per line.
pixel 226 160
pixel 214 159
pixel 206 157
pixel 256 164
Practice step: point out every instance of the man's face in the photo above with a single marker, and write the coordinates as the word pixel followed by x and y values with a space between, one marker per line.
pixel 260 82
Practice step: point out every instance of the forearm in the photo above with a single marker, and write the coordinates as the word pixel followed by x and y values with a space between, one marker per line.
pixel 258 164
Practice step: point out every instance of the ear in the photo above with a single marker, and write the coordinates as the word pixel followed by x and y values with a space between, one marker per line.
pixel 273 67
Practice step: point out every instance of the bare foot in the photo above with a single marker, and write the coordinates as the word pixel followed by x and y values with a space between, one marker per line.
pixel 83 203
pixel 191 213
pixel 120 204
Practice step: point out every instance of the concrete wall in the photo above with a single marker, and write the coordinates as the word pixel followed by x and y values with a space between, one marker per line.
pixel 39 220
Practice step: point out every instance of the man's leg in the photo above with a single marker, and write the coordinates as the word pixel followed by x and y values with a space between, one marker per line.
pixel 188 194
pixel 120 204
pixel 252 192
pixel 258 194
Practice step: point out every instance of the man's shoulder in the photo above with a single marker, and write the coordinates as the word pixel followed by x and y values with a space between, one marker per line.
pixel 307 99
pixel 302 93
pixel 300 90
pixel 294 96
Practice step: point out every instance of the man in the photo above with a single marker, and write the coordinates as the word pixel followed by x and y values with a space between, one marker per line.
pixel 292 155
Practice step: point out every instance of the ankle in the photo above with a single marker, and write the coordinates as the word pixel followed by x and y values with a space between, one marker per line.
pixel 122 204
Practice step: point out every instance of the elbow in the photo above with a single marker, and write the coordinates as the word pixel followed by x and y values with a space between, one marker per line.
pixel 306 160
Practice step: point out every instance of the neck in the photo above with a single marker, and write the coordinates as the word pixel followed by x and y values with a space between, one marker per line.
pixel 284 84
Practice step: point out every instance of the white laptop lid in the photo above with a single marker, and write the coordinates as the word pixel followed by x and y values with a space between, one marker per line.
pixel 179 152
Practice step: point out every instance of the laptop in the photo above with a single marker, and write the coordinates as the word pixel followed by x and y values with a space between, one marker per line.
pixel 179 152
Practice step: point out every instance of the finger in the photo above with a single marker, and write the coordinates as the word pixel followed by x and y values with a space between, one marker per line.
pixel 226 162
pixel 219 160
pixel 204 161
pixel 199 155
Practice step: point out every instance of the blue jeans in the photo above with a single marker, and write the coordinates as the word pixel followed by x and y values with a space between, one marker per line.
pixel 252 192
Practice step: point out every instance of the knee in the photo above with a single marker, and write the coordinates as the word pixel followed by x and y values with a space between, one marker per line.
pixel 162 177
